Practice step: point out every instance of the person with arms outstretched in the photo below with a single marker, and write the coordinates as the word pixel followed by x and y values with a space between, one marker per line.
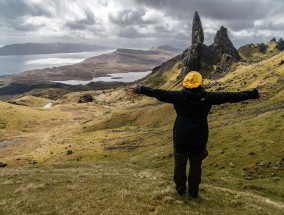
pixel 190 133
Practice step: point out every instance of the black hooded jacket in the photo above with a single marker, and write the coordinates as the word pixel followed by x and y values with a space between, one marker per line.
pixel 192 107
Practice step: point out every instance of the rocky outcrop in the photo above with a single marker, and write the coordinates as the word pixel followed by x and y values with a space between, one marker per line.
pixel 280 44
pixel 192 56
pixel 261 47
pixel 273 40
pixel 224 65
pixel 86 98
pixel 197 30
pixel 201 57
pixel 3 165
pixel 223 45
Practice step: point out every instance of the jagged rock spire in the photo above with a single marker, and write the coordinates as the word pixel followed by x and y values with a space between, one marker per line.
pixel 223 45
pixel 197 30
pixel 192 56
pixel 201 57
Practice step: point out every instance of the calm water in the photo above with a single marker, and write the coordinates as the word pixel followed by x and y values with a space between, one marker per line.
pixel 14 64
pixel 126 77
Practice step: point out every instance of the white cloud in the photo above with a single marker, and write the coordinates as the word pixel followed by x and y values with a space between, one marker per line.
pixel 147 22
pixel 243 34
pixel 153 16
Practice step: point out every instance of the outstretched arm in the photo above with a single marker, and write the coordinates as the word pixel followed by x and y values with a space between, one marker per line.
pixel 162 95
pixel 219 98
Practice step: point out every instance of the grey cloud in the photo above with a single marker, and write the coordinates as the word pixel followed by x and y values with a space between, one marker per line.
pixel 82 24
pixel 11 9
pixel 271 26
pixel 17 25
pixel 219 9
pixel 161 29
pixel 13 13
pixel 24 27
pixel 127 17
pixel 235 11
pixel 237 25
pixel 125 25
pixel 131 32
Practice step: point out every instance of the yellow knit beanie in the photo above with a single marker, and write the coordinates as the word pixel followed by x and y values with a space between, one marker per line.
pixel 192 80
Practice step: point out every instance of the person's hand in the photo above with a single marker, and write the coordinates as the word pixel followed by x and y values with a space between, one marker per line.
pixel 263 95
pixel 131 90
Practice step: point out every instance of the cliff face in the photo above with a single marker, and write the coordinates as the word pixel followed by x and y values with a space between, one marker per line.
pixel 223 45
pixel 201 57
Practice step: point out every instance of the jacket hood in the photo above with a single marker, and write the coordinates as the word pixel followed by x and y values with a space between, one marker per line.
pixel 195 94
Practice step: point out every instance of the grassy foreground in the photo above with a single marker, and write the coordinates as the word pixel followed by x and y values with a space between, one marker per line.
pixel 120 156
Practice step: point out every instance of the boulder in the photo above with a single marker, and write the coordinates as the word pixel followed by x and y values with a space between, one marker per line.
pixel 86 98
pixel 3 165
pixel 69 152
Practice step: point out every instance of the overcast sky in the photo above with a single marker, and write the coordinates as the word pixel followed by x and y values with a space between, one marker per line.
pixel 138 23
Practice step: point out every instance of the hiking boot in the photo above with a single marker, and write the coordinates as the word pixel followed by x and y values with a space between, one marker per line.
pixel 193 194
pixel 180 190
pixel 204 154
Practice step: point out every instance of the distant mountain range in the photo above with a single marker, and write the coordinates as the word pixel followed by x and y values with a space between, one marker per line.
pixel 48 48
pixel 170 48
pixel 121 60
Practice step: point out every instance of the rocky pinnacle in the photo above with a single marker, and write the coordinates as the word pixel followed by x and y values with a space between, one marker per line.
pixel 201 57
pixel 197 31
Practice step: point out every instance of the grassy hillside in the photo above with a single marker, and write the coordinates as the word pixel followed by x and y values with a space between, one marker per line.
pixel 115 156
pixel 253 52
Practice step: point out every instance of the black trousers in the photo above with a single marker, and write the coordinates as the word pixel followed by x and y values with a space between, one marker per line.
pixel 195 158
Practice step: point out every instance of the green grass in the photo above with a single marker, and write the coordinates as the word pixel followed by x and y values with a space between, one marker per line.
pixel 118 187
pixel 251 52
